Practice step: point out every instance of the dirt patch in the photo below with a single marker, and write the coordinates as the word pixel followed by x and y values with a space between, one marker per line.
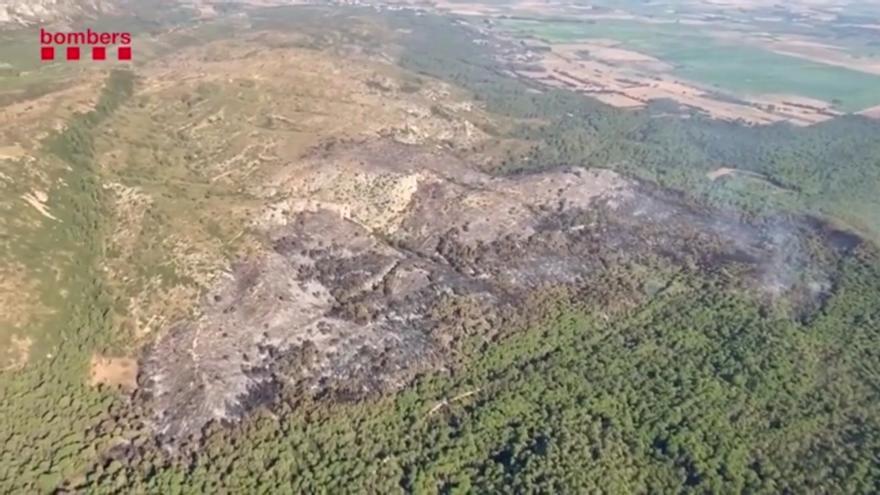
pixel 18 353
pixel 118 372
pixel 12 152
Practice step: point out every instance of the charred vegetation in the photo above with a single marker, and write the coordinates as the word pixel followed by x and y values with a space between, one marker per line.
pixel 338 310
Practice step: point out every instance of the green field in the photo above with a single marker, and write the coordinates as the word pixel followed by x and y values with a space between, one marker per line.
pixel 739 69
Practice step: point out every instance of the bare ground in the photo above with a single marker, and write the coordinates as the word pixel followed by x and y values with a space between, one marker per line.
pixel 118 372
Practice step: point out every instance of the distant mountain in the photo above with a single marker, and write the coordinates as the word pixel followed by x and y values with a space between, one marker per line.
pixel 34 12
pixel 22 13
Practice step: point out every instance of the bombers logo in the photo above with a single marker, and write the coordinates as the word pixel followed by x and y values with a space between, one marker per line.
pixel 75 40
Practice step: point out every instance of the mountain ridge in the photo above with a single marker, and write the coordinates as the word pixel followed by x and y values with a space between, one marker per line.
pixel 24 13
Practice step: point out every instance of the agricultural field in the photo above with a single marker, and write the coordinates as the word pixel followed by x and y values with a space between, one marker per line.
pixel 746 71
pixel 743 70
pixel 756 62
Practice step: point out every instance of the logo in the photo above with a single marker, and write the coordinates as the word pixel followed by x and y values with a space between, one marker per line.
pixel 97 43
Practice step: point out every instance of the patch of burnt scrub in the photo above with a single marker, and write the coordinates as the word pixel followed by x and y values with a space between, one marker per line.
pixel 334 310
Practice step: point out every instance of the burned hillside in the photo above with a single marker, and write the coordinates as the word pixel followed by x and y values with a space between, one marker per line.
pixel 369 240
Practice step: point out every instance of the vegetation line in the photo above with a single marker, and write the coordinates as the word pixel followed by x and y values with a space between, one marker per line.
pixel 50 410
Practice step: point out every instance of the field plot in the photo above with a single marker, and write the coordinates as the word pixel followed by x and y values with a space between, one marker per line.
pixel 744 70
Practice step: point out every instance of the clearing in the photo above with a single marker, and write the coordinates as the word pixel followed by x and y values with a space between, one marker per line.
pixel 113 371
